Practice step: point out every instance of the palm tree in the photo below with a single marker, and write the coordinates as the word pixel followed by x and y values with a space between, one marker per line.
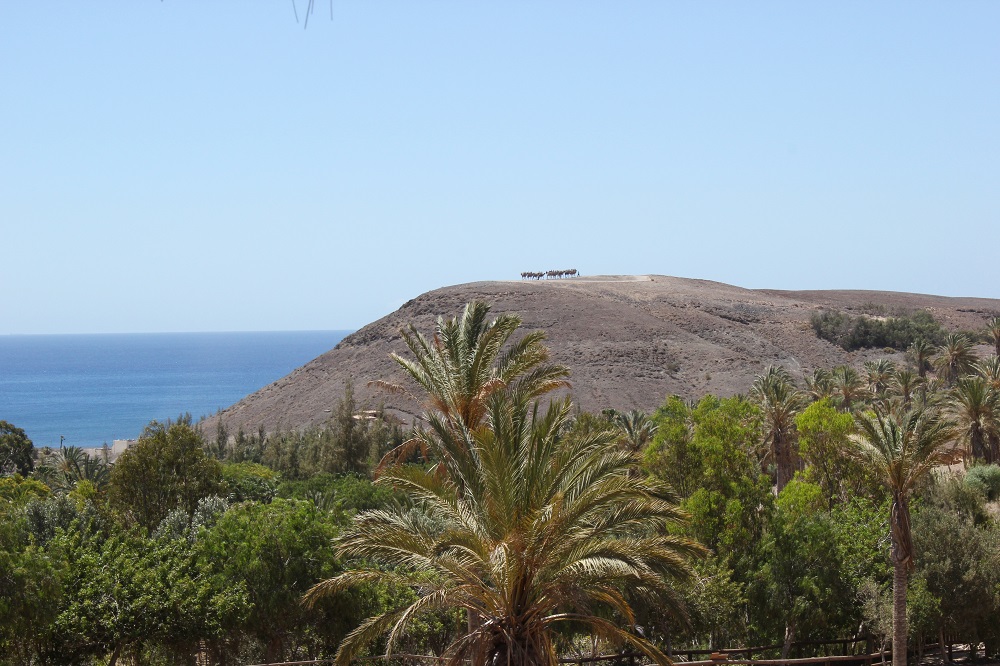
pixel 901 447
pixel 820 385
pixel 65 468
pixel 989 369
pixel 878 374
pixel 850 388
pixel 776 395
pixel 636 428
pixel 920 353
pixel 993 333
pixel 955 358
pixel 975 408
pixel 905 383
pixel 528 531
pixel 469 358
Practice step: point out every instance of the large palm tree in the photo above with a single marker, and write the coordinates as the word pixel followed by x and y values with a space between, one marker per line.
pixel 468 360
pixel 955 358
pixel 470 357
pixel 975 407
pixel 528 531
pixel 776 395
pixel 902 446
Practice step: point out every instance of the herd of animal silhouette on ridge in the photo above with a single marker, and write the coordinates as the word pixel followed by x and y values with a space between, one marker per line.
pixel 529 275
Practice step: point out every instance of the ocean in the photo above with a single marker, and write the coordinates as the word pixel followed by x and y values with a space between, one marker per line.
pixel 93 389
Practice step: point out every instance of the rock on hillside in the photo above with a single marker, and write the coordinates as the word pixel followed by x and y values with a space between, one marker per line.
pixel 629 340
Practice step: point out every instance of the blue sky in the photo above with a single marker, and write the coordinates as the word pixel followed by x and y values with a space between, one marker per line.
pixel 195 165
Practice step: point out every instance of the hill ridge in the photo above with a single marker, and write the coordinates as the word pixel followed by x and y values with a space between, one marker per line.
pixel 629 341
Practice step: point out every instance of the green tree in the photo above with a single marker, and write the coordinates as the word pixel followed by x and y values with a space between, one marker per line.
pixel 278 551
pixel 717 605
pixel 860 524
pixel 129 593
pixel 824 444
pixel 354 434
pixel 31 588
pixel 16 450
pixel 165 469
pixel 708 453
pixel 529 531
pixel 902 447
pixel 16 491
pixel 801 579
pixel 672 456
pixel 958 546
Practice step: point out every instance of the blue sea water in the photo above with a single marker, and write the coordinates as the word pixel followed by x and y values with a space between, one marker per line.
pixel 93 389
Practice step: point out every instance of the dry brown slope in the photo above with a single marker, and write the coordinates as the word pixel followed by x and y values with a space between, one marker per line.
pixel 629 340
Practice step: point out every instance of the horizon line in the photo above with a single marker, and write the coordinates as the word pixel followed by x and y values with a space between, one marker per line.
pixel 215 332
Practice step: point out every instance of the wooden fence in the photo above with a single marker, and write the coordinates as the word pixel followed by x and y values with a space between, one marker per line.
pixel 861 652
pixel 632 659
pixel 687 657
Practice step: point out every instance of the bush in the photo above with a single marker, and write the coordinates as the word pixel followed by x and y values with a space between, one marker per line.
pixel 866 332
pixel 247 481
pixel 986 480
pixel 349 493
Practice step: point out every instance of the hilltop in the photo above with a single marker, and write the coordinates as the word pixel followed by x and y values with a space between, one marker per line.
pixel 629 340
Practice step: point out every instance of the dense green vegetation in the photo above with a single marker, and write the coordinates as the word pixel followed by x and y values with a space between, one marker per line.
pixel 877 331
pixel 509 528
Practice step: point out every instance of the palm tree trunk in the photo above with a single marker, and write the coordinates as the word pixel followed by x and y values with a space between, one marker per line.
pixel 902 560
pixel 977 442
pixel 899 576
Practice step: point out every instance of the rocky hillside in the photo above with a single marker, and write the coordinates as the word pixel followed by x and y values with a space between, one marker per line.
pixel 629 340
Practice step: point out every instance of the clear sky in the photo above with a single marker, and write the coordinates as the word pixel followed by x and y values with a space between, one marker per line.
pixel 195 165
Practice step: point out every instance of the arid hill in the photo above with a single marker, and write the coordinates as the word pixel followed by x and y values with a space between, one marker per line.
pixel 629 340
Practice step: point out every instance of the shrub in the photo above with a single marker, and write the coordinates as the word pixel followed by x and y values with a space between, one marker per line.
pixel 985 479
pixel 866 332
